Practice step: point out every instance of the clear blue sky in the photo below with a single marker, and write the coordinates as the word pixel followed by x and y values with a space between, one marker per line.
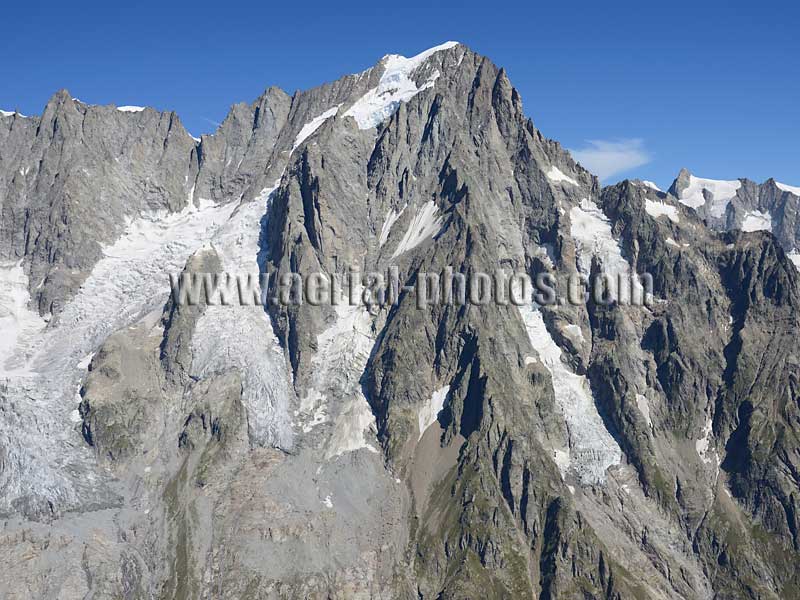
pixel 713 86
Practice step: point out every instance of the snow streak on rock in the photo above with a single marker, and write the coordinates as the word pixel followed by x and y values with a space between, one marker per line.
pixel 644 407
pixel 391 219
pixel 309 128
pixel 555 174
pixel 591 231
pixel 423 226
pixel 547 252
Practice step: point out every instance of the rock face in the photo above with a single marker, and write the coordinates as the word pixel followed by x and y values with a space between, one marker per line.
pixel 155 449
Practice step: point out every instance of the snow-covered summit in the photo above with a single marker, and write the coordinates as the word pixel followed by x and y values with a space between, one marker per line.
pixel 395 86
pixel 420 58
pixel 714 194
pixel 743 204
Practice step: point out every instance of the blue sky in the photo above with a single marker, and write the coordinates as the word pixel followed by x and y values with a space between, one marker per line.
pixel 713 86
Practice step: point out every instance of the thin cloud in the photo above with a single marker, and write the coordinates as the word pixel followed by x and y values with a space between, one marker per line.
pixel 605 158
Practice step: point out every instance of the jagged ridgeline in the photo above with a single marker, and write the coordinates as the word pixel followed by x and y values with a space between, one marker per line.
pixel 152 448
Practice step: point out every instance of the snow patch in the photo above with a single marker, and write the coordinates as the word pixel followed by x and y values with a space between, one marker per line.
pixel 17 322
pixel 757 221
pixel 671 242
pixel 592 450
pixel 391 219
pixel 657 209
pixel 327 502
pixel 574 333
pixel 555 174
pixel 395 87
pixel 561 458
pixel 722 192
pixel 651 185
pixel 317 418
pixel 704 443
pixel 423 226
pixel 788 188
pixel 794 256
pixel 644 408
pixel 309 128
pixel 130 109
pixel 85 361
pixel 430 410
pixel 547 253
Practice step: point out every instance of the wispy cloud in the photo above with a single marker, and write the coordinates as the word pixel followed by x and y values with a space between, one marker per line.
pixel 605 158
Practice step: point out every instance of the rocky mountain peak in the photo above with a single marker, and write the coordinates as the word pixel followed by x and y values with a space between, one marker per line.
pixel 582 448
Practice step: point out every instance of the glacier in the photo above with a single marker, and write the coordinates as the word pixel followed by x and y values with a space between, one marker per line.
pixel 722 193
pixel 129 282
pixel 592 449
pixel 241 337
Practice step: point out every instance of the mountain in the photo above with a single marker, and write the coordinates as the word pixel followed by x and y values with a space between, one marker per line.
pixel 743 204
pixel 151 448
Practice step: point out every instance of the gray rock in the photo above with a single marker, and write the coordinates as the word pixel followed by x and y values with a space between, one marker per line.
pixel 584 451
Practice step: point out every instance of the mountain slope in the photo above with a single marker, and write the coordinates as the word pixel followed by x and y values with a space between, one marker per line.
pixel 561 451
